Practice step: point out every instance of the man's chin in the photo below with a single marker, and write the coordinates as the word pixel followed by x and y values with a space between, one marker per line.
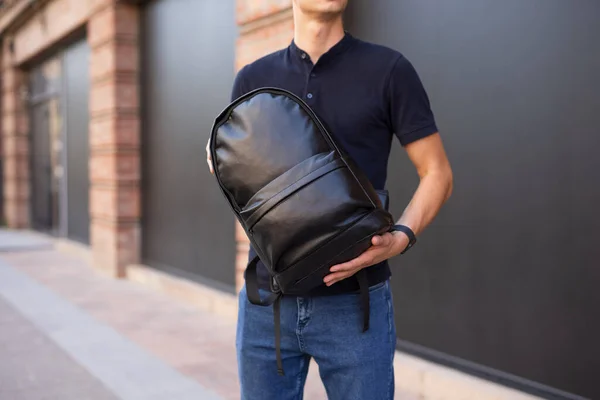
pixel 328 15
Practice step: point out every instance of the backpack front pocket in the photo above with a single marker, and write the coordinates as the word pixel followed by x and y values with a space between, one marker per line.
pixel 306 205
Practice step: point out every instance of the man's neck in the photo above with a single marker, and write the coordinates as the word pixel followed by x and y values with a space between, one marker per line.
pixel 316 37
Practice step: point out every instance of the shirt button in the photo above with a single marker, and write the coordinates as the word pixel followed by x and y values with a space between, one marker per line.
pixel 313 74
pixel 303 56
pixel 310 96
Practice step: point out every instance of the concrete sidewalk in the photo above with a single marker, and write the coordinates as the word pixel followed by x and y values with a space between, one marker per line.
pixel 68 332
pixel 34 367
pixel 52 348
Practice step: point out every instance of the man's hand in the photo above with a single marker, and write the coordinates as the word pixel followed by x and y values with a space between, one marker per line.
pixel 383 247
pixel 209 158
pixel 434 189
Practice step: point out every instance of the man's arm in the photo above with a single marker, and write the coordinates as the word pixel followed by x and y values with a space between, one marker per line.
pixel 435 187
pixel 412 121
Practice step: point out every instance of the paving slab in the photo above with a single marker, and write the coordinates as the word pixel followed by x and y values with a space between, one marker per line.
pixel 196 343
pixel 33 367
pixel 19 240
pixel 61 330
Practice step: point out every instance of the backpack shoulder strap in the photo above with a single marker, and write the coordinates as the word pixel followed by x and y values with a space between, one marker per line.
pixel 273 298
pixel 363 284
pixel 252 286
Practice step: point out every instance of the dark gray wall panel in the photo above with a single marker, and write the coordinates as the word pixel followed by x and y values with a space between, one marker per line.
pixel 188 63
pixel 77 87
pixel 507 275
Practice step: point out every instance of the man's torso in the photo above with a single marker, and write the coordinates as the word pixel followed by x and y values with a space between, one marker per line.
pixel 349 90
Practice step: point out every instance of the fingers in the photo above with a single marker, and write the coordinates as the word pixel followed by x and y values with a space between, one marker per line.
pixel 359 262
pixel 373 255
pixel 347 269
pixel 210 165
pixel 369 257
pixel 382 240
pixel 376 240
pixel 338 276
pixel 209 158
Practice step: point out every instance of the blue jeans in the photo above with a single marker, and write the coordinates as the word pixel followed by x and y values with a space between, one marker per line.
pixel 353 365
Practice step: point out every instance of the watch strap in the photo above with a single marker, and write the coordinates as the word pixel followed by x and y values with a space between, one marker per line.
pixel 412 239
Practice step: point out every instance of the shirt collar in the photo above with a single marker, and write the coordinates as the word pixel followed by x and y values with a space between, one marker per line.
pixel 300 55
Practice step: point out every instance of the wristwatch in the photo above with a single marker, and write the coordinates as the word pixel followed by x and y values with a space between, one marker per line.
pixel 412 239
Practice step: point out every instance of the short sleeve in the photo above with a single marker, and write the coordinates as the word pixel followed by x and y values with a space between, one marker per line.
pixel 240 87
pixel 410 111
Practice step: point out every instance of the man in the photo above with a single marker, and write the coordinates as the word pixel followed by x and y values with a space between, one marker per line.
pixel 366 94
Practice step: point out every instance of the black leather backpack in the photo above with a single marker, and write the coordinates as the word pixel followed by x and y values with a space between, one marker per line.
pixel 303 203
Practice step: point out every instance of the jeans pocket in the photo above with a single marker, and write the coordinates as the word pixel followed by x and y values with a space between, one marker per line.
pixel 377 286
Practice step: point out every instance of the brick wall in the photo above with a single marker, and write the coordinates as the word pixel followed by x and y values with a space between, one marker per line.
pixel 51 23
pixel 265 26
pixel 112 33
pixel 15 144
pixel 114 137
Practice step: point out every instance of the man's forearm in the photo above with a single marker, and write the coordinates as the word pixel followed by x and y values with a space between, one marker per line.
pixel 434 189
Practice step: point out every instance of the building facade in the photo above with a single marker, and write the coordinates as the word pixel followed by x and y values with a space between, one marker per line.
pixel 107 106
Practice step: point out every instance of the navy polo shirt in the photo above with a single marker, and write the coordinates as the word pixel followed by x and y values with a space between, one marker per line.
pixel 366 94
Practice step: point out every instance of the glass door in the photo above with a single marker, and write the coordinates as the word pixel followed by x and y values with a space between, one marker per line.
pixel 46 133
